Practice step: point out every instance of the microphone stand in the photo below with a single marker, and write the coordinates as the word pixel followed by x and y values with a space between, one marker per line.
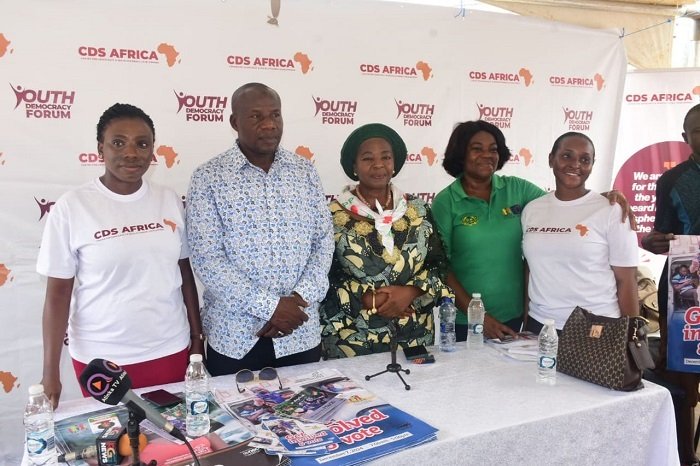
pixel 133 431
pixel 393 366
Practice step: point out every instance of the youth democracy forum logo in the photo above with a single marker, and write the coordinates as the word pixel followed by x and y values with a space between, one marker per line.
pixel 595 82
pixel 335 112
pixel 498 116
pixel 421 69
pixel 299 60
pixel 44 103
pixel 44 206
pixel 577 120
pixel 673 97
pixel 163 153
pixel 201 108
pixel 522 76
pixel 415 114
pixel 4 45
pixel 163 52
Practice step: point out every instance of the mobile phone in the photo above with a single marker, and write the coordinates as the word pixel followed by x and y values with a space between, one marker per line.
pixel 415 352
pixel 161 398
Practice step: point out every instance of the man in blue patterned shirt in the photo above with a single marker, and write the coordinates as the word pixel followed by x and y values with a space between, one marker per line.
pixel 261 243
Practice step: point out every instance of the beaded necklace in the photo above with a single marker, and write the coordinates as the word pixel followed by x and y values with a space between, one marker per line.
pixel 390 198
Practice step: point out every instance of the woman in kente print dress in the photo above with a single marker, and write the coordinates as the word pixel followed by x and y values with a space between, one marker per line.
pixel 389 262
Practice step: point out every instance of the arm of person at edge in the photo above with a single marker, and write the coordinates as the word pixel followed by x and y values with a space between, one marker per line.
pixel 217 273
pixel 526 294
pixel 191 300
pixel 626 282
pixel 54 325
pixel 492 327
pixel 616 197
pixel 657 242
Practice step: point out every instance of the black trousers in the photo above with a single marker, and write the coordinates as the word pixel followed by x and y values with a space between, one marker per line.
pixel 261 355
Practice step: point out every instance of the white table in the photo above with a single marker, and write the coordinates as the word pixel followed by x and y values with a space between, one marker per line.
pixel 490 410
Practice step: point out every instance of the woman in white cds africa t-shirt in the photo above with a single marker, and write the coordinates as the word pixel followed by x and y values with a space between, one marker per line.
pixel 116 257
pixel 577 250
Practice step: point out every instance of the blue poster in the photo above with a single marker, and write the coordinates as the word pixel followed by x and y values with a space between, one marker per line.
pixel 684 304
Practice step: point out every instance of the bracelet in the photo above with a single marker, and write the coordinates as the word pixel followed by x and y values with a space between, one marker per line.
pixel 374 306
pixel 198 336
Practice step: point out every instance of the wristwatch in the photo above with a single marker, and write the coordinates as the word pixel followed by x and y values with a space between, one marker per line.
pixel 198 336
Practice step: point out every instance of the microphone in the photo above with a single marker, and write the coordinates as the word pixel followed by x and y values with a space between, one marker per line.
pixel 109 383
pixel 124 449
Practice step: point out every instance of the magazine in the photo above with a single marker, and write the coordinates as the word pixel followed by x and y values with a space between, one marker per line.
pixel 522 348
pixel 79 432
pixel 364 426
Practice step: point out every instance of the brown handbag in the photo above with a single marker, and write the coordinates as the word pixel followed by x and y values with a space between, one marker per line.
pixel 607 351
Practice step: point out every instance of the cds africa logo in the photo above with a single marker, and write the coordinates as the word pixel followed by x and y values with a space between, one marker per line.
pixel 596 82
pixel 523 76
pixel 425 155
pixel 163 51
pixel 299 60
pixel 524 155
pixel 421 68
pixel 4 45
pixel 169 155
pixel 45 104
pixel 5 275
pixel 673 97
pixel 305 152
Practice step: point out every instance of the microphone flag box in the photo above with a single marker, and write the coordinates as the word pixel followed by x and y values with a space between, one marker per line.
pixel 107 444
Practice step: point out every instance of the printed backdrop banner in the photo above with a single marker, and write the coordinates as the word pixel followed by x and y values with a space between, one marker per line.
pixel 335 64
pixel 650 141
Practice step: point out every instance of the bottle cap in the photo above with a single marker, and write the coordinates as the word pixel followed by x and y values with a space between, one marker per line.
pixel 476 295
pixel 195 358
pixel 548 321
pixel 446 299
pixel 36 389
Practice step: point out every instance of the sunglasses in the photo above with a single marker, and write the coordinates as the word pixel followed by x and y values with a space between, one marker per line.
pixel 246 375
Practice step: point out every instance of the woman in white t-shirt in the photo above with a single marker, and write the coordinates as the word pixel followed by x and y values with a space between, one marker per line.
pixel 116 257
pixel 577 251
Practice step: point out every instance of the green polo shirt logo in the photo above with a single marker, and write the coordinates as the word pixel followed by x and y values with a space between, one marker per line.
pixel 470 220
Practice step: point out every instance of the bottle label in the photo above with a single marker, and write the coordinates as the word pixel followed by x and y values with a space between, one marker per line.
pixel 478 329
pixel 199 407
pixel 36 445
pixel 548 362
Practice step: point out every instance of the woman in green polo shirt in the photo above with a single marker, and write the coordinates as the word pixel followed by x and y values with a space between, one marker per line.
pixel 478 217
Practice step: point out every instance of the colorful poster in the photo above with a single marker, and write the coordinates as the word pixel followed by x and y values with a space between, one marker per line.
pixel 684 304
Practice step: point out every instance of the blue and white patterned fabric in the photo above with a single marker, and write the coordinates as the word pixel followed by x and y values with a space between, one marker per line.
pixel 256 237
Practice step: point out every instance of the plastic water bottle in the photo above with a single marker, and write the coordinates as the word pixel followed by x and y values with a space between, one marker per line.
pixel 475 314
pixel 38 426
pixel 547 355
pixel 448 314
pixel 197 397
